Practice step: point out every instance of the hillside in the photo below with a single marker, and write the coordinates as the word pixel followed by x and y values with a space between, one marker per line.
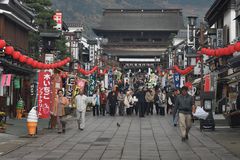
pixel 88 12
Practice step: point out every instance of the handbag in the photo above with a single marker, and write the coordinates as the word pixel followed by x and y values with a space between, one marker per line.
pixel 68 110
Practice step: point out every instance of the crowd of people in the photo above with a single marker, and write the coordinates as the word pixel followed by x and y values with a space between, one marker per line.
pixel 142 102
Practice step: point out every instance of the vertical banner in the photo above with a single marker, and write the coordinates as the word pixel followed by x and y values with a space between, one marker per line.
pixel 106 81
pixel 177 77
pixel 182 81
pixel 70 86
pixel 207 83
pixel 92 84
pixel 44 94
pixel 110 79
pixel 6 80
pixel 80 83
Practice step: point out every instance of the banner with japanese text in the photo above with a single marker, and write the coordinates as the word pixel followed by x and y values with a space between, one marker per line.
pixel 92 84
pixel 44 96
pixel 176 78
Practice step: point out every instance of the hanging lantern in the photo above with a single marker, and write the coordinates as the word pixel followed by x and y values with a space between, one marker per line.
pixel 29 61
pixel 16 55
pixel 34 64
pixel 2 43
pixel 22 58
pixel 237 46
pixel 9 50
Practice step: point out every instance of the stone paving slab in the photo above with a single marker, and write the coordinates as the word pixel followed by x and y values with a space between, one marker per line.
pixel 152 137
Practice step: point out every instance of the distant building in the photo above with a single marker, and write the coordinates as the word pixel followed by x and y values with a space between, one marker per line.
pixel 138 33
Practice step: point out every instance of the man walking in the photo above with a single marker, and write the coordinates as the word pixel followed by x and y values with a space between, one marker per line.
pixel 81 103
pixel 184 104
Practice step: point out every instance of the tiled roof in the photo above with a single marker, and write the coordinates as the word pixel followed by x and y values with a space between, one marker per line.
pixel 141 20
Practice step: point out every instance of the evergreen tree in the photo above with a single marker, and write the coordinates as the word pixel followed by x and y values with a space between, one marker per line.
pixel 44 23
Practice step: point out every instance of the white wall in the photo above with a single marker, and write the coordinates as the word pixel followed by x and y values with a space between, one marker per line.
pixel 229 16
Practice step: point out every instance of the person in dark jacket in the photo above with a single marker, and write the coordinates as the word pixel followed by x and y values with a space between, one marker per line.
pixel 112 100
pixel 141 101
pixel 184 104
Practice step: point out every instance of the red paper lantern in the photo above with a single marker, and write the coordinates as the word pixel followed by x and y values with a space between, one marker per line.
pixel 2 43
pixel 29 61
pixel 34 64
pixel 16 55
pixel 231 49
pixel 68 59
pixel 40 65
pixel 9 50
pixel 51 66
pixel 55 65
pixel 237 46
pixel 22 58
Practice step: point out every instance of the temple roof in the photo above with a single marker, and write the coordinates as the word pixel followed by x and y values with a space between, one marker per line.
pixel 140 20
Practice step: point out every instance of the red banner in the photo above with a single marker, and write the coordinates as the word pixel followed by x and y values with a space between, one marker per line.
pixel 44 90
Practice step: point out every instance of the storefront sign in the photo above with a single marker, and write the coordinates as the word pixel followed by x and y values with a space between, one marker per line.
pixel 44 94
pixel 6 80
pixel 58 19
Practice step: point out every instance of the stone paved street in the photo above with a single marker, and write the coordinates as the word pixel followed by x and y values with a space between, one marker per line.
pixel 148 138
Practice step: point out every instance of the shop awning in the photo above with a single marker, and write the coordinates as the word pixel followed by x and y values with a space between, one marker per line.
pixel 15 69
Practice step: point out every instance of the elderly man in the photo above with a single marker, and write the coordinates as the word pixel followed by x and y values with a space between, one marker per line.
pixel 184 104
pixel 81 101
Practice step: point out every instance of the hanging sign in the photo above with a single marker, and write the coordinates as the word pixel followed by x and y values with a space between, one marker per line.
pixel 92 84
pixel 44 94
pixel 177 77
pixel 70 86
pixel 6 80
pixel 16 82
pixel 110 79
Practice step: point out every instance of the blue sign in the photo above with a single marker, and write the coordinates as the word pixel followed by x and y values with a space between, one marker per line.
pixel 110 79
pixel 177 78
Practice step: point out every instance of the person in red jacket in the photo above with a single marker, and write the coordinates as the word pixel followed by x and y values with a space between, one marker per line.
pixel 103 102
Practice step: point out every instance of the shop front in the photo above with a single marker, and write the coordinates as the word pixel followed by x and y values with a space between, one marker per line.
pixel 16 84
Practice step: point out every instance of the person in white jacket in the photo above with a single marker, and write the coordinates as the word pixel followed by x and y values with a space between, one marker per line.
pixel 81 101
pixel 128 102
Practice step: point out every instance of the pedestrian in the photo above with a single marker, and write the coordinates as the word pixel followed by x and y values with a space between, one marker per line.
pixel 149 99
pixel 112 102
pixel 184 104
pixel 128 103
pixel 175 112
pixel 157 101
pixel 120 99
pixel 141 101
pixel 162 96
pixel 103 101
pixel 96 103
pixel 81 101
pixel 58 110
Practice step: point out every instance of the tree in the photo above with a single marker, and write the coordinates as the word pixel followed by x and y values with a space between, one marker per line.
pixel 44 22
